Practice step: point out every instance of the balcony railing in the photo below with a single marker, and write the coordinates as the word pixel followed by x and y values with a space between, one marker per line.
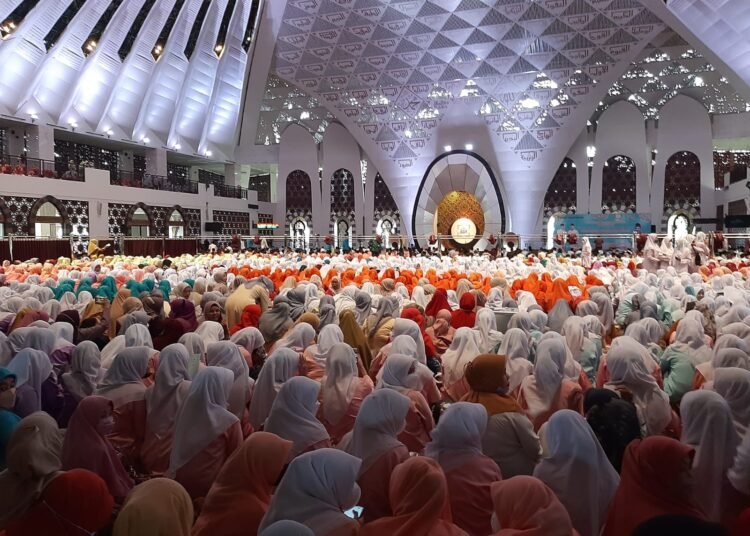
pixel 235 192
pixel 36 167
pixel 152 182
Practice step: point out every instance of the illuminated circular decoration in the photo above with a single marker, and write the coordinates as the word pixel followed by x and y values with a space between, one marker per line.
pixel 463 231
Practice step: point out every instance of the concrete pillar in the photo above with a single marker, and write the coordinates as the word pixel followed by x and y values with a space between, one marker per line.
pixel 156 161
pixel 125 160
pixel 46 142
pixel 231 174
pixel 16 142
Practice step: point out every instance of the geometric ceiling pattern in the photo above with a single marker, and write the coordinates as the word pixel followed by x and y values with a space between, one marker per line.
pixel 723 26
pixel 393 67
pixel 667 67
pixel 284 104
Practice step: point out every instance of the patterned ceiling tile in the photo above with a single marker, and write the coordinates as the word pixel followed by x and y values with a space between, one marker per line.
pixel 394 67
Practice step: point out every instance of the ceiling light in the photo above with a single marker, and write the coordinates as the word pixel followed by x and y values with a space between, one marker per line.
pixel 529 103
pixel 218 48
pixel 448 148
pixel 304 115
pixel 408 133
pixel 591 151
pixel 209 153
pixel 469 147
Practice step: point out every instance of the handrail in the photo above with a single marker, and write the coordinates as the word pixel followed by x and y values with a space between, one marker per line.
pixel 38 167
pixel 150 181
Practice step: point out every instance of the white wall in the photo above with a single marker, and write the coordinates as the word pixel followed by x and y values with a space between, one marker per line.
pixel 684 125
pixel 97 190
pixel 299 151
pixel 340 150
pixel 621 130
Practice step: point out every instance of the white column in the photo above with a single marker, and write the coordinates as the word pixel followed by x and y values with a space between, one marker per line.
pixel 156 161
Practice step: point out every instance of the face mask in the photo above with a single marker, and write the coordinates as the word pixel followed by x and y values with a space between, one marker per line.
pixel 106 425
pixel 8 398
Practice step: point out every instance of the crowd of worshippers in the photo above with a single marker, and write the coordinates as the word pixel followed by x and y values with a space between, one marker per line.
pixel 301 405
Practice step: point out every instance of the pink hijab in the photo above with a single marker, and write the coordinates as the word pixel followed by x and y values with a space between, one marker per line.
pixel 86 448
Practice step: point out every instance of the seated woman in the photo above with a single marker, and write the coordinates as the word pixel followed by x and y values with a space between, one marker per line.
pixel 292 416
pixel 78 498
pixel 374 440
pixel 399 375
pixel 205 433
pixel 547 390
pixel 144 511
pixel 419 500
pixel 523 504
pixel 239 498
pixel 123 385
pixel 163 401
pixel 342 392
pixel 316 490
pixel 509 438
pixel 86 445
pixel 457 446
pixel 656 480
pixel 315 357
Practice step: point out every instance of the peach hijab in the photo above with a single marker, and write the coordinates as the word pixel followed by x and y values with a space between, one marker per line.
pixel 240 496
pixel 525 506
pixel 419 498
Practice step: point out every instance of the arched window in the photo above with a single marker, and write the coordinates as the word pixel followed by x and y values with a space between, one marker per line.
pixel 139 223
pixel 298 198
pixel 682 182
pixel 618 185
pixel 49 222
pixel 342 232
pixel 176 225
pixel 300 234
pixel 561 194
pixel 342 201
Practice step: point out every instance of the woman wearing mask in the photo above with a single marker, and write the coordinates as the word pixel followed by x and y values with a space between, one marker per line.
pixel 86 445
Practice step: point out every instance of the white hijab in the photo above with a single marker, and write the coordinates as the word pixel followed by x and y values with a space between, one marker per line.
pixel 31 367
pixel 123 382
pixel 627 369
pixel 210 331
pixel 733 384
pixel 203 416
pixel 540 389
pixel 340 382
pixel 515 348
pixel 110 351
pixel 138 335
pixel 707 426
pixel 328 337
pixel 405 326
pixel 226 354
pixel 458 435
pixel 170 388
pixel 301 336
pixel 578 471
pixel 292 415
pixel 380 420
pixel 462 351
pixel 85 369
pixel 316 489
pixel 485 328
pixel 249 338
pixel 278 368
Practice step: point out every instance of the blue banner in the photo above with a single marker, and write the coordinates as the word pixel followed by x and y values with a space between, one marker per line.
pixel 594 225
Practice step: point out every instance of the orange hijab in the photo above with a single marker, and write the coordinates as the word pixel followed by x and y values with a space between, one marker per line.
pixel 419 497
pixel 525 506
pixel 239 498
pixel 486 375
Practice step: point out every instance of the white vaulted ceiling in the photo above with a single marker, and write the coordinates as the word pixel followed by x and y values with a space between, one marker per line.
pixel 170 71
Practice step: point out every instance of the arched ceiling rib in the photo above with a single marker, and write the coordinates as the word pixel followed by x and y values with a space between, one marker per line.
pixel 132 77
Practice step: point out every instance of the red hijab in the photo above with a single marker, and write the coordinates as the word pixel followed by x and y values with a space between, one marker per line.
pixel 465 316
pixel 250 318
pixel 74 503
pixel 438 302
pixel 652 483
